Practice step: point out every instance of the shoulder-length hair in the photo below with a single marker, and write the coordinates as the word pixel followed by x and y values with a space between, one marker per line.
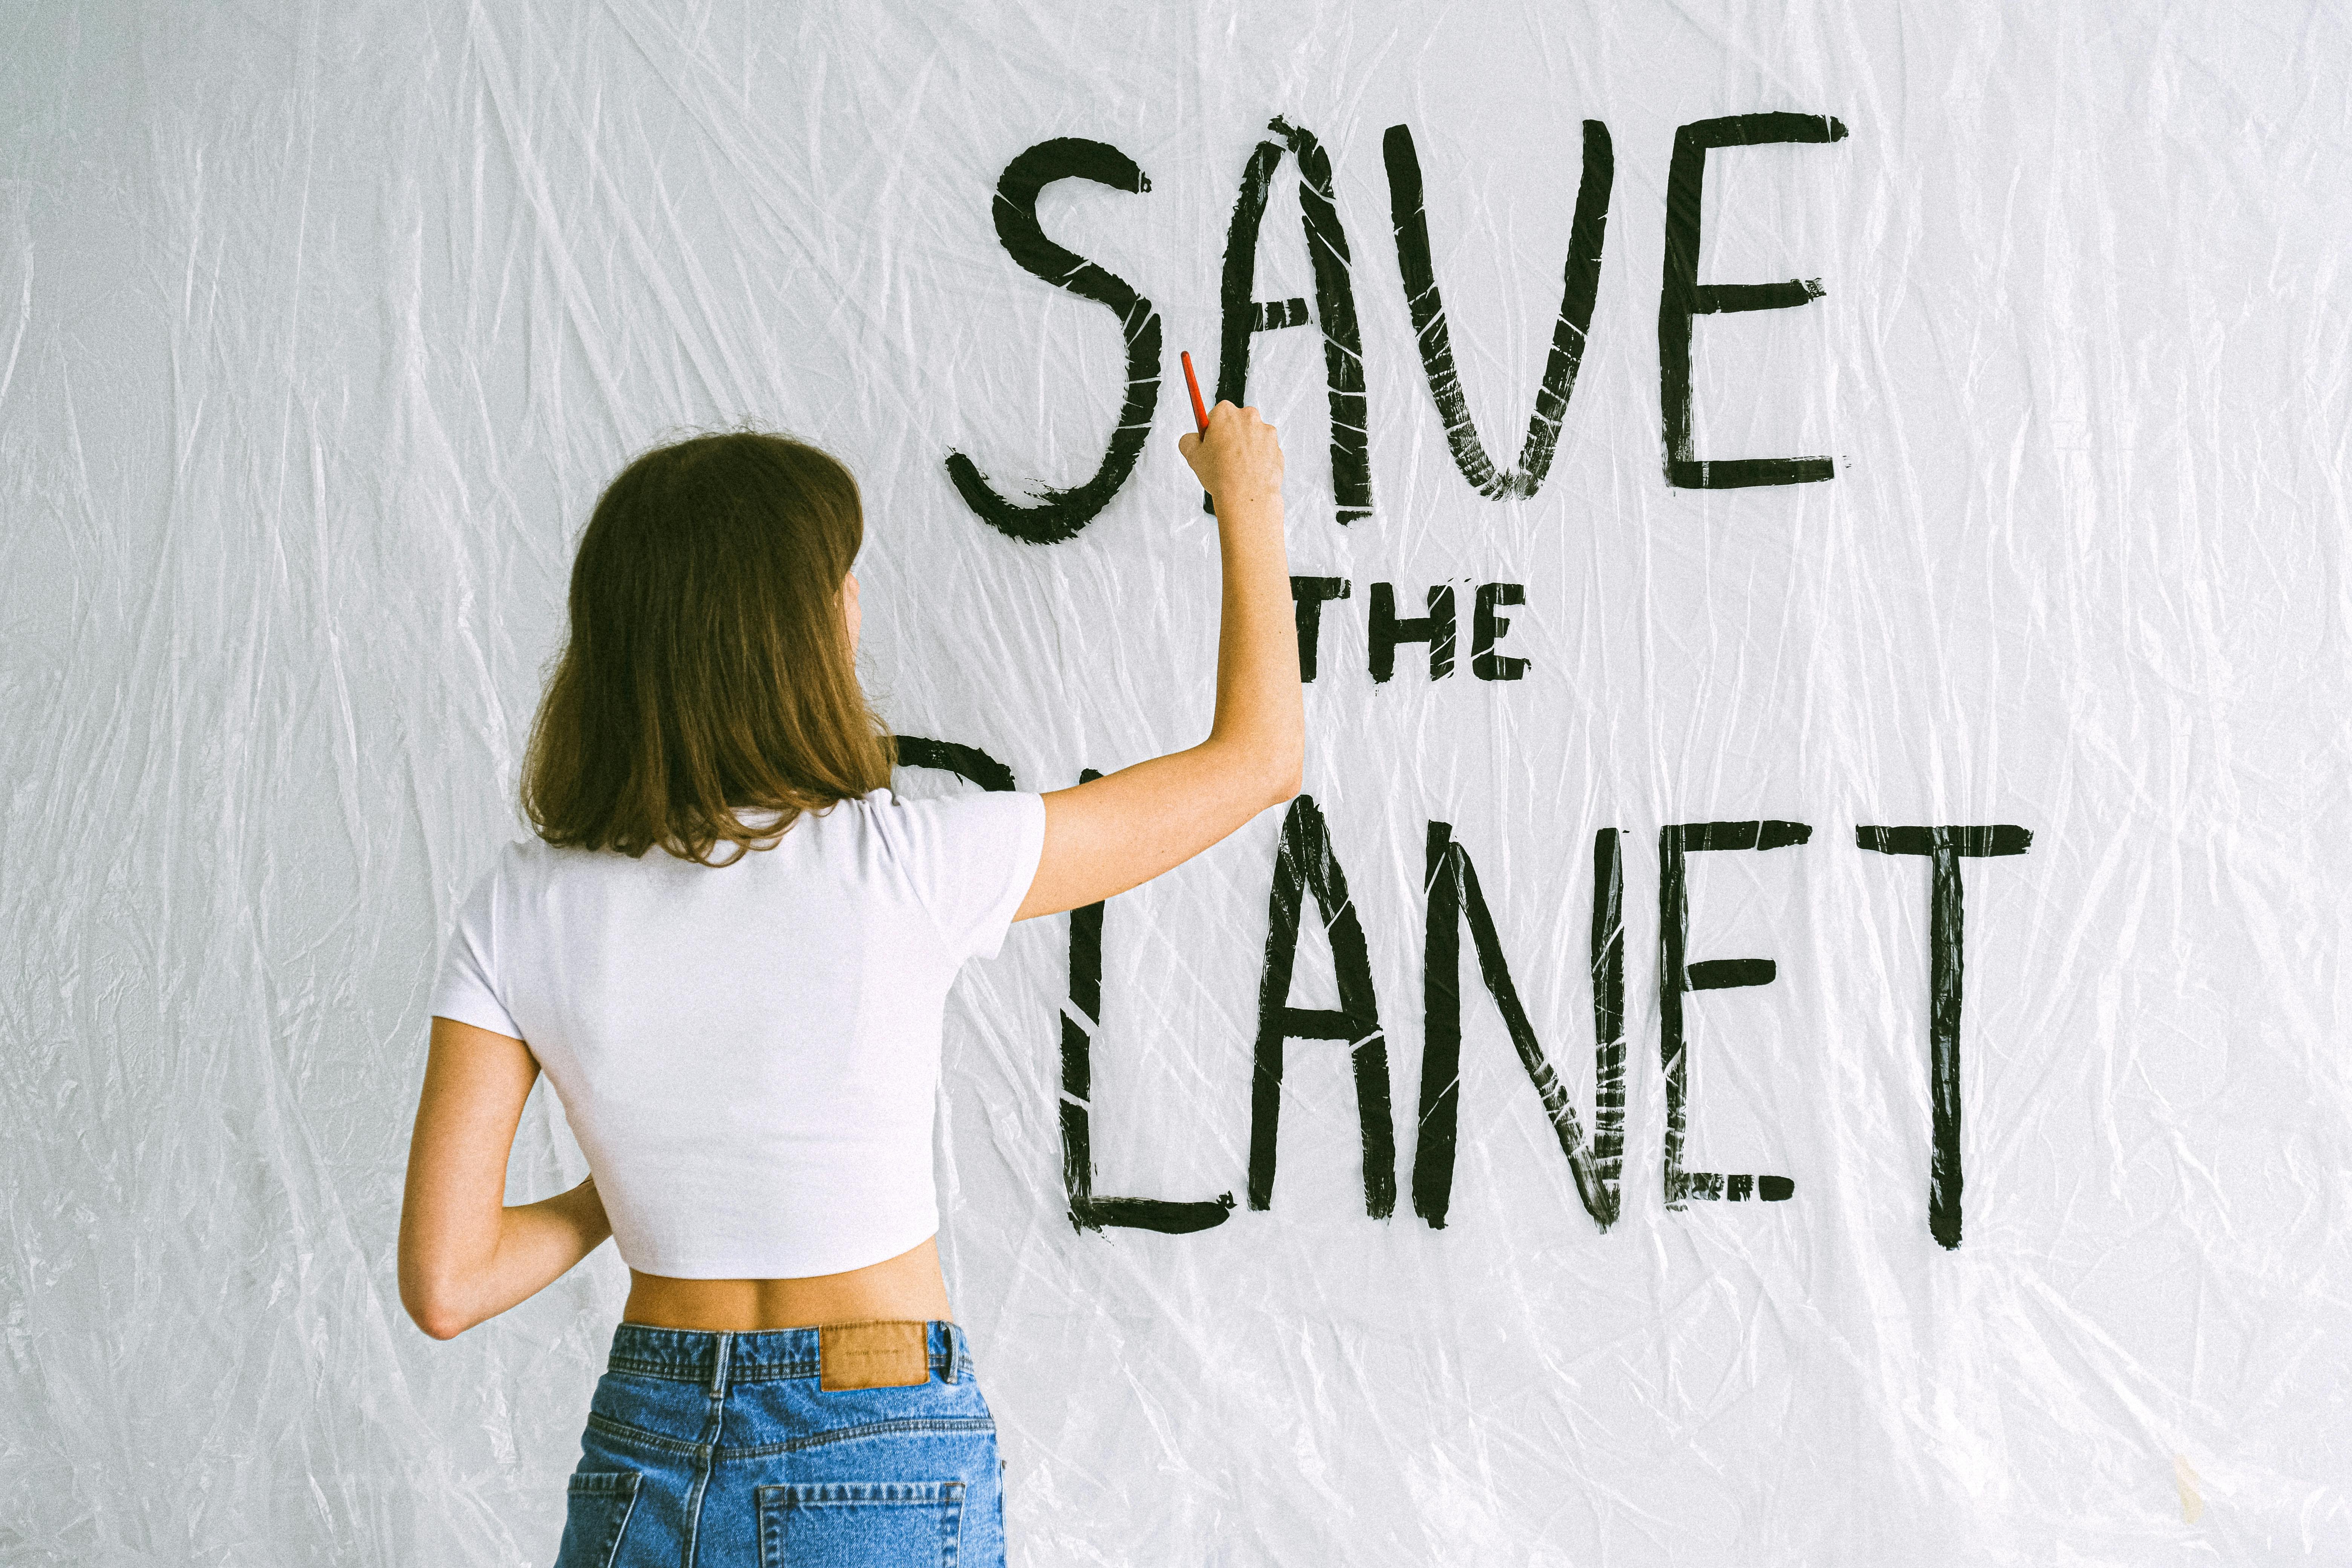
pixel 708 671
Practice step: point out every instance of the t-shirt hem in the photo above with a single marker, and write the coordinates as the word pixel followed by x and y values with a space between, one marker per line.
pixel 771 1267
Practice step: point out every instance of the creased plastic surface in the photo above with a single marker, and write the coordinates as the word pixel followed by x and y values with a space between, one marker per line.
pixel 320 327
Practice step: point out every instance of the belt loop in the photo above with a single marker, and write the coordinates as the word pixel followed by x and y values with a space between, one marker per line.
pixel 719 1364
pixel 948 1334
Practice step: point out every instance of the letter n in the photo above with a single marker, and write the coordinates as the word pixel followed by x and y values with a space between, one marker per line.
pixel 1453 892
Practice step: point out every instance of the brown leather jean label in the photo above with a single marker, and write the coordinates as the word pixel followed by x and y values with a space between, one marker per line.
pixel 873 1355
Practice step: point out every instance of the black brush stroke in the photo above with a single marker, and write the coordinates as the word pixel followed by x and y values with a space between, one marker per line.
pixel 1681 297
pixel 1058 514
pixel 1304 867
pixel 1947 943
pixel 1243 315
pixel 1676 977
pixel 1088 1212
pixel 1579 283
pixel 1451 885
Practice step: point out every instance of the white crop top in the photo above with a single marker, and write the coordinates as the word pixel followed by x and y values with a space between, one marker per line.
pixel 750 1054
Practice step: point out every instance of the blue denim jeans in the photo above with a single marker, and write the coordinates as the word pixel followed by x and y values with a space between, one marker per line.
pixel 721 1450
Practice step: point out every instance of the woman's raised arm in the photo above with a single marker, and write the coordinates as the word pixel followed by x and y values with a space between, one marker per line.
pixel 1127 828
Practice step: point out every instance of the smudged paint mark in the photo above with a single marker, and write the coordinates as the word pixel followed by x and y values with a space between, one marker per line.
pixel 1579 283
pixel 2192 1505
pixel 1682 296
pixel 1452 891
pixel 1059 514
pixel 1305 866
pixel 1945 847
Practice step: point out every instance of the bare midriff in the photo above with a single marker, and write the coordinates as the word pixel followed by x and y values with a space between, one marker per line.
pixel 906 1288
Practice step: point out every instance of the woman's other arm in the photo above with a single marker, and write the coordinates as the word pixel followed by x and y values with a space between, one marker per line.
pixel 464 1255
pixel 1106 837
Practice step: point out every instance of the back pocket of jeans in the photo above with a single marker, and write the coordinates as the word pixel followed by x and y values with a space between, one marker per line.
pixel 860 1524
pixel 597 1513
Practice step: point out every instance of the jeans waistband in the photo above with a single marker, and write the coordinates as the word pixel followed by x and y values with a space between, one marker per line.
pixel 719 1359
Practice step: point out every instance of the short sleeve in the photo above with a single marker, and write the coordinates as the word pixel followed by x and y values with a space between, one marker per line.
pixel 970 858
pixel 465 989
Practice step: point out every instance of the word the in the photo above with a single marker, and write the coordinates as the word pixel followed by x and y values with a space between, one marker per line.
pixel 1390 631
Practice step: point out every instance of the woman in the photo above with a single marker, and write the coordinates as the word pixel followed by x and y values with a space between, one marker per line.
pixel 729 947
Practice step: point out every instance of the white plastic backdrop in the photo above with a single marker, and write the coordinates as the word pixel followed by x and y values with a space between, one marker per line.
pixel 324 325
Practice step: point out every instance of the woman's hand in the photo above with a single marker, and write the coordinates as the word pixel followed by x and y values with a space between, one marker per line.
pixel 1238 459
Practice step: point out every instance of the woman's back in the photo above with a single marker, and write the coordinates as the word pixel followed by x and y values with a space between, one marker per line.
pixel 749 1052
pixel 744 1025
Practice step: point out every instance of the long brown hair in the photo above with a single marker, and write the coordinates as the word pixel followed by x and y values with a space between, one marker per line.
pixel 708 672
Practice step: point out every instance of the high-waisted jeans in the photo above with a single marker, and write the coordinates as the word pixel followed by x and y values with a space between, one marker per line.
pixel 722 1450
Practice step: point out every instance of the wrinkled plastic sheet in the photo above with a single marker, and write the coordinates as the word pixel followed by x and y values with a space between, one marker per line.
pixel 1875 836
